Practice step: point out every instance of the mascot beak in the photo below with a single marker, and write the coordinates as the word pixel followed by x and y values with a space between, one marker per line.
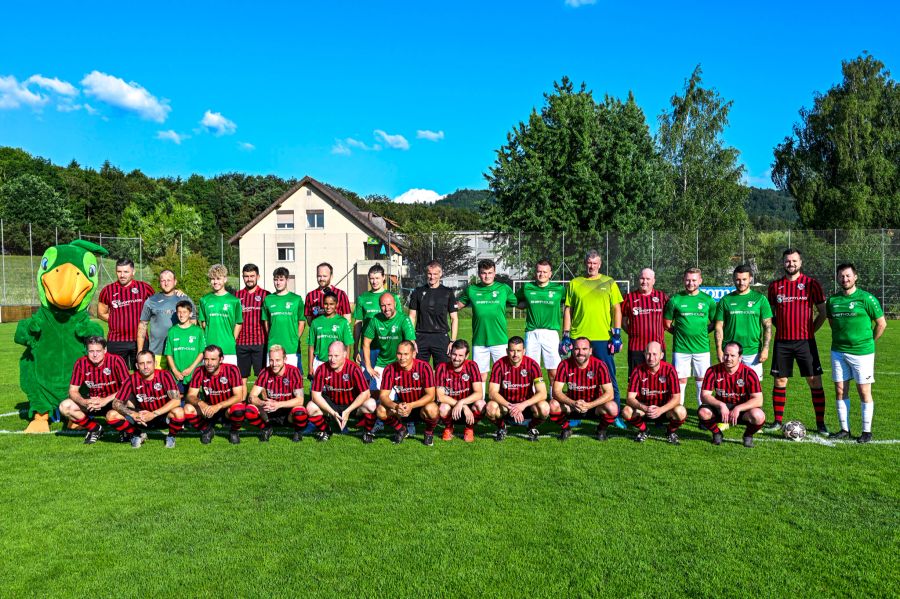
pixel 65 286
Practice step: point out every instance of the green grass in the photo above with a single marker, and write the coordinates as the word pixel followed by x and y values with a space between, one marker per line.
pixel 510 519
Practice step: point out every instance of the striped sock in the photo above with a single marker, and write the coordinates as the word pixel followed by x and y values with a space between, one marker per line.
pixel 299 418
pixel 818 401
pixel 368 422
pixel 253 418
pixel 710 425
pixel 123 426
pixel 674 425
pixel 318 421
pixel 86 423
pixel 176 425
pixel 236 416
pixel 637 422
pixel 430 424
pixel 779 398
pixel 394 422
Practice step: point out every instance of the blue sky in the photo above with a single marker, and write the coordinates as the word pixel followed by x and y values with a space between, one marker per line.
pixel 382 97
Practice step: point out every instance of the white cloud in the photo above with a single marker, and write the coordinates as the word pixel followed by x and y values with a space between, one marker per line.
pixel 68 107
pixel 14 94
pixel 580 3
pixel 89 109
pixel 359 145
pixel 127 96
pixel 171 135
pixel 214 122
pixel 63 88
pixel 417 196
pixel 340 148
pixel 764 181
pixel 398 142
pixel 430 135
pixel 246 146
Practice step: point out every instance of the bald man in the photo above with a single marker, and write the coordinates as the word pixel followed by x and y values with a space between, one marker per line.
pixel 642 318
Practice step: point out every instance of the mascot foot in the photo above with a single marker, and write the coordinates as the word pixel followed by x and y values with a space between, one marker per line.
pixel 40 424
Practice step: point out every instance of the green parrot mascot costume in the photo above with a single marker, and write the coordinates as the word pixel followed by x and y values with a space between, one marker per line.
pixel 54 336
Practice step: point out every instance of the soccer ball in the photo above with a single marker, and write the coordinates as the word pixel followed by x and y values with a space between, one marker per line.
pixel 794 430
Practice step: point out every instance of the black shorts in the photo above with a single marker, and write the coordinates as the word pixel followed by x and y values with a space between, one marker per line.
pixel 277 418
pixel 432 346
pixel 334 406
pixel 251 356
pixel 804 351
pixel 529 413
pixel 717 416
pixel 127 350
pixel 157 423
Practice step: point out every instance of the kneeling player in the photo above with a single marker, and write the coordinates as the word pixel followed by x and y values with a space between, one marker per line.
pixel 589 391
pixel 516 384
pixel 149 399
pixel 338 390
pixel 653 393
pixel 277 397
pixel 732 394
pixel 460 392
pixel 223 388
pixel 407 393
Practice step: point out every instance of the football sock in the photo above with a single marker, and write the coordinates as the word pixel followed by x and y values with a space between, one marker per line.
pixel 447 420
pixel 251 415
pixel 560 419
pixel 318 421
pixel 699 393
pixel 779 397
pixel 868 409
pixel 752 429
pixel 605 420
pixel 674 425
pixel 430 424
pixel 394 422
pixel 535 422
pixel 710 425
pixel 176 425
pixel 683 389
pixel 477 415
pixel 194 420
pixel 843 409
pixel 123 426
pixel 637 422
pixel 501 423
pixel 236 416
pixel 818 400
pixel 299 418
pixel 87 423
pixel 368 422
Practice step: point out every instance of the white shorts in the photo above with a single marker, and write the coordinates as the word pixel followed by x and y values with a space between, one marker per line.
pixel 543 342
pixel 291 359
pixel 485 355
pixel 752 360
pixel 316 363
pixel 848 366
pixel 230 359
pixel 688 364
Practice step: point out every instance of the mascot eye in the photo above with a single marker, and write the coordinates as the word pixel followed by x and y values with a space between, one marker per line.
pixel 44 263
pixel 92 271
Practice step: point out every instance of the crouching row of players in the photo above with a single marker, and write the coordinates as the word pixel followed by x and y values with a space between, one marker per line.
pixel 409 390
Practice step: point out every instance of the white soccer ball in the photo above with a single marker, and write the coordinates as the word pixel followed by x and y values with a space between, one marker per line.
pixel 794 430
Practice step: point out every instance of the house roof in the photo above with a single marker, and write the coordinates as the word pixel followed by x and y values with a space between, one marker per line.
pixel 367 221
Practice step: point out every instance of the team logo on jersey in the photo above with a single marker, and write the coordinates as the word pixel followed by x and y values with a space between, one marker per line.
pixel 464 377
pixel 223 379
pixel 505 384
pixel 523 372
pixel 285 380
pixel 636 311
pixel 590 374
pixel 107 371
pixel 801 286
pixel 550 294
pixel 206 390
pixel 779 298
pixel 157 386
pixel 750 304
pixel 192 339
pixel 850 305
pixel 739 382
pixel 662 379
pixel 346 377
pixel 257 298
pixel 643 390
pixel 334 328
pixel 415 376
pixel 655 299
pixel 287 305
pixel 134 290
pixel 700 306
pixel 394 329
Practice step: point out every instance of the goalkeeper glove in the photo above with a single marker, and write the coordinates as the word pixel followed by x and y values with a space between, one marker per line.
pixel 615 342
pixel 565 346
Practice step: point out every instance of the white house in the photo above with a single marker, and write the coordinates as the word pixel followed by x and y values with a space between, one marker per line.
pixel 312 223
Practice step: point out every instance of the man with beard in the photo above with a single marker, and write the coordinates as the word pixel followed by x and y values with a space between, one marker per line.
pixel 407 393
pixel 223 389
pixel 148 399
pixel 517 384
pixel 460 392
pixel 732 395
pixel 588 391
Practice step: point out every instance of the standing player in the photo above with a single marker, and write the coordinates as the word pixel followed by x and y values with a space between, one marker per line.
pixel 744 315
pixel 517 384
pixel 277 397
pixel 851 313
pixel 221 315
pixel 460 392
pixel 642 318
pixel 315 299
pixel 102 374
pixel 731 394
pixel 223 391
pixel 367 306
pixel 489 300
pixel 120 304
pixel 542 302
pixel 250 345
pixel 338 390
pixel 793 297
pixel 282 318
pixel 588 391
pixel 158 314
pixel 148 399
pixel 654 393
pixel 383 334
pixel 430 307
pixel 407 393
pixel 324 330
pixel 687 316
pixel 594 310
pixel 184 345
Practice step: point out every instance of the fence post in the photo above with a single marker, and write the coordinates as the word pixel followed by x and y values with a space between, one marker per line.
pixel 141 255
pixel 882 269
pixel 3 257
pixel 652 249
pixel 181 254
pixel 100 269
pixel 607 253
pixel 564 253
pixel 221 248
pixel 31 253
pixel 834 266
pixel 789 238
pixel 56 229
pixel 697 247
pixel 521 270
pixel 432 245
pixel 389 260
pixel 743 246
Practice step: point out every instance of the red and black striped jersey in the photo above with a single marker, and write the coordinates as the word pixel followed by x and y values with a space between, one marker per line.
pixel 457 384
pixel 313 305
pixel 125 304
pixel 408 385
pixel 654 388
pixel 103 379
pixel 150 394
pixel 216 387
pixel 281 386
pixel 731 388
pixel 644 314
pixel 340 386
pixel 252 332
pixel 516 382
pixel 792 304
pixel 583 384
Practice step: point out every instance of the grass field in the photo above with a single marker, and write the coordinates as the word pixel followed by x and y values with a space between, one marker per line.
pixel 510 519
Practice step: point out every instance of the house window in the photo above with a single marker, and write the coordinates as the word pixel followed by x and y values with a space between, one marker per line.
pixel 315 219
pixel 285 219
pixel 285 252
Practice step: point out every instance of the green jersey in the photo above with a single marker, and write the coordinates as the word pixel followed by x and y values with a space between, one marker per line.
pixel 367 306
pixel 542 305
pixel 591 301
pixel 742 317
pixel 221 313
pixel 851 319
pixel 386 335
pixel 283 313
pixel 690 316
pixel 184 344
pixel 325 330
pixel 489 304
